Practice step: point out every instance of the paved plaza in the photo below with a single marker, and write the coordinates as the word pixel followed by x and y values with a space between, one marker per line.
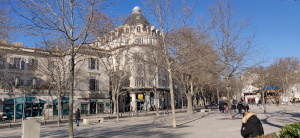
pixel 197 125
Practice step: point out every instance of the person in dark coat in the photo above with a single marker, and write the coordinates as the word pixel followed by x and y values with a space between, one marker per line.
pixel 77 117
pixel 251 126
pixel 233 107
pixel 220 107
pixel 240 107
pixel 246 108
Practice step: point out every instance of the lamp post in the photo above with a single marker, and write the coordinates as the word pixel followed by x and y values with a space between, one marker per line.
pixel 11 89
pixel 14 104
pixel 24 90
pixel 48 101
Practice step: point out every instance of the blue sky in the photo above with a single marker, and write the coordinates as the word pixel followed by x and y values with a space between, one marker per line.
pixel 277 23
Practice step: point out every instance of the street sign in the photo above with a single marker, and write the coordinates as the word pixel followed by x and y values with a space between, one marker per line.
pixel 140 96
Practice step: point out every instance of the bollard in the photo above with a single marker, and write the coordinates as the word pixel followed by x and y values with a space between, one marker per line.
pixel 9 126
pixel 108 117
pixel 44 122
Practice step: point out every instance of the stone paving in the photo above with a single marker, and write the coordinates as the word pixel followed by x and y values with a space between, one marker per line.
pixel 197 125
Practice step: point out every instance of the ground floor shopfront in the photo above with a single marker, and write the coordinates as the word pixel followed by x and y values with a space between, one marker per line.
pixel 94 105
pixel 47 106
pixel 31 108
pixel 144 99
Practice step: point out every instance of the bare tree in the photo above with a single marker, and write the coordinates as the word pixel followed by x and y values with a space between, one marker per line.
pixel 260 78
pixel 287 74
pixel 169 14
pixel 54 68
pixel 68 19
pixel 5 25
pixel 191 52
pixel 235 48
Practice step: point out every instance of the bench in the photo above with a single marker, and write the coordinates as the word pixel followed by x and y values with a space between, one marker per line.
pixel 36 117
pixel 92 120
pixel 205 110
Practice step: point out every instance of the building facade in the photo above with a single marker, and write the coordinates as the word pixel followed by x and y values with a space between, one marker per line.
pixel 36 80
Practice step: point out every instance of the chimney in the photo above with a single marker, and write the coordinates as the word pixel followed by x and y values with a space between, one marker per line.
pixel 3 41
pixel 18 44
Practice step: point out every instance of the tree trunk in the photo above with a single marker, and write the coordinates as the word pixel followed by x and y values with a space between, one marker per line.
pixel 228 102
pixel 189 100
pixel 264 104
pixel 71 133
pixel 195 101
pixel 117 107
pixel 171 92
pixel 115 103
pixel 156 101
pixel 58 110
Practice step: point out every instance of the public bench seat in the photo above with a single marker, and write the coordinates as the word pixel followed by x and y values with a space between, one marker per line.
pixel 92 120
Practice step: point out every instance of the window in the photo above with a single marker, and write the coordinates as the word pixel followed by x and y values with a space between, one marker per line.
pixel 94 84
pixel 29 82
pixel 32 64
pixel 139 40
pixel 150 41
pixel 21 82
pixel 17 63
pixel 138 29
pixel 93 64
pixel 127 30
pixel 2 62
pixel 51 65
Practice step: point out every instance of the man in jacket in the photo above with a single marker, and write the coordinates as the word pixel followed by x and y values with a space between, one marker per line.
pixel 251 126
pixel 77 116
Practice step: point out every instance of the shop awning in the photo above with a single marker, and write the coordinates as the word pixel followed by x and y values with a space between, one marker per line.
pixel 64 100
pixel 20 100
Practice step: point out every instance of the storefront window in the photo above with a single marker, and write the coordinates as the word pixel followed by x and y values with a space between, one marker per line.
pixel 84 108
pixel 100 108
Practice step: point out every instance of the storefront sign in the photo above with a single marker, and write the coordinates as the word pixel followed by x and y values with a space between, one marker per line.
pixel 93 100
pixel 140 96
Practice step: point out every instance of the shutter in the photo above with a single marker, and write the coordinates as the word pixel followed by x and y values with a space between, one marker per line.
pixel 89 63
pixel 22 66
pixel 97 64
pixel 34 83
pixel 97 84
pixel 92 84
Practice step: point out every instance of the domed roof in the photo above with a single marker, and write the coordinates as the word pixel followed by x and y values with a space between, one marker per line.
pixel 136 17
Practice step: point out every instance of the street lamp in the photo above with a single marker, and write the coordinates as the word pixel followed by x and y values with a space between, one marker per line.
pixel 24 90
pixel 11 90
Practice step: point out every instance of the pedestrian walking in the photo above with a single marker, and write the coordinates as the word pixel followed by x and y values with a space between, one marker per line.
pixel 251 126
pixel 246 108
pixel 240 107
pixel 77 117
pixel 233 107
pixel 220 107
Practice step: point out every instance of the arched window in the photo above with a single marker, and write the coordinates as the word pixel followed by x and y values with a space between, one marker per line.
pixel 127 30
pixel 138 29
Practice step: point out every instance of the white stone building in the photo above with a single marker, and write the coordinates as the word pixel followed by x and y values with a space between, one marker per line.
pixel 127 42
pixel 250 93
